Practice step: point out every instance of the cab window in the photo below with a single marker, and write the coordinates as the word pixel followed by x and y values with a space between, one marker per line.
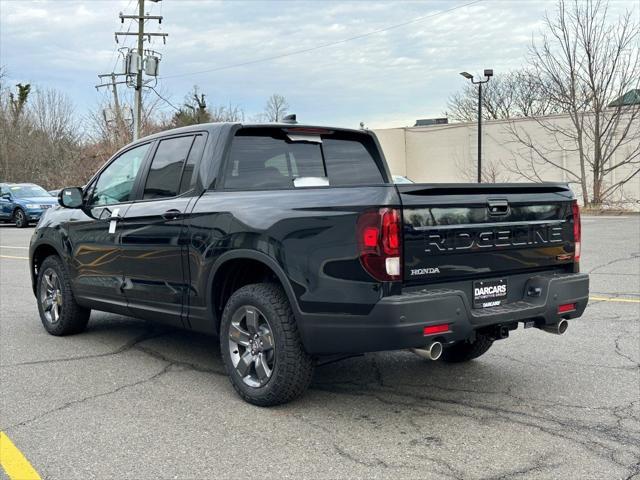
pixel 164 175
pixel 116 181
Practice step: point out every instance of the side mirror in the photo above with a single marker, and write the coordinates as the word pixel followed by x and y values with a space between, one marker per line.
pixel 6 196
pixel 70 197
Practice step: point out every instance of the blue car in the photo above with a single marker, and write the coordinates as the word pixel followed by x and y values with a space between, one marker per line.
pixel 22 203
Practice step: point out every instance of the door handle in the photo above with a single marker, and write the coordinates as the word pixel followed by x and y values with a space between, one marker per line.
pixel 172 214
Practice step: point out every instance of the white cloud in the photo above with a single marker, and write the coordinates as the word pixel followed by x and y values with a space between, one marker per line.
pixel 393 76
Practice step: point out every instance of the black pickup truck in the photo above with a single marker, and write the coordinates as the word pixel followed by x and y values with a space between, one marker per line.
pixel 293 246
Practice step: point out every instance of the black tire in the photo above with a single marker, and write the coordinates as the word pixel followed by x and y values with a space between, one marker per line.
pixel 20 218
pixel 292 367
pixel 71 317
pixel 465 350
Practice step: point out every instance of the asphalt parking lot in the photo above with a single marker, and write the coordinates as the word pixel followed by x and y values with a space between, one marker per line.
pixel 129 400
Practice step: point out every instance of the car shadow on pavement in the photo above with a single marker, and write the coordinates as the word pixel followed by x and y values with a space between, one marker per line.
pixel 370 374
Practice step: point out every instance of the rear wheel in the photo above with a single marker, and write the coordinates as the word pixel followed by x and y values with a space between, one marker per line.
pixel 465 350
pixel 59 312
pixel 261 348
pixel 20 218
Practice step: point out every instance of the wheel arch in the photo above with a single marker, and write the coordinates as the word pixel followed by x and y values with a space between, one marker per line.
pixel 40 252
pixel 233 270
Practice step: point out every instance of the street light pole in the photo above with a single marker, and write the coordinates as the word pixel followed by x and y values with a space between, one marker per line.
pixel 479 132
pixel 488 73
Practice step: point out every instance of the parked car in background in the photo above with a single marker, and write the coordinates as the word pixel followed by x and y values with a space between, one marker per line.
pixel 22 203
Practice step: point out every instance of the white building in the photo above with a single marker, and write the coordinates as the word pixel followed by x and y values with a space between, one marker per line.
pixel 448 153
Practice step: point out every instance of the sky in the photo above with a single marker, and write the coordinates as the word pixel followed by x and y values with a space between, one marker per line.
pixel 385 79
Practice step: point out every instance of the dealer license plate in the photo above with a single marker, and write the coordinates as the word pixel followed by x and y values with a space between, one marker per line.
pixel 489 293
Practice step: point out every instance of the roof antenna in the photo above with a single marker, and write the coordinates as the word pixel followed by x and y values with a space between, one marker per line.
pixel 290 118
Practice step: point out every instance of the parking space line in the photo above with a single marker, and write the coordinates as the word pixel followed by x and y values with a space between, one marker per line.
pixel 13 462
pixel 614 299
pixel 14 258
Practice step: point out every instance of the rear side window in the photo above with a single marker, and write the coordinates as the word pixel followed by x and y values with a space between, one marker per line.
pixel 194 154
pixel 165 174
pixel 351 161
pixel 269 159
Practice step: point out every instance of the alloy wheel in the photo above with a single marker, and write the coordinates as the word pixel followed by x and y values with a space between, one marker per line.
pixel 251 346
pixel 51 296
pixel 20 218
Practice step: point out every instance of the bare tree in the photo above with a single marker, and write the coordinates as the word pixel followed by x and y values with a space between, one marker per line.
pixel 227 113
pixel 508 95
pixel 276 108
pixel 196 110
pixel 40 136
pixel 585 65
pixel 106 134
pixel 492 172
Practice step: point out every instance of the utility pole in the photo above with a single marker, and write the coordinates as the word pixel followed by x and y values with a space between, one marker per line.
pixel 134 76
pixel 116 100
pixel 138 84
pixel 137 118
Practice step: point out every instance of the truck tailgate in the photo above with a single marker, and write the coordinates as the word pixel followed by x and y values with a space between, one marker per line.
pixel 484 231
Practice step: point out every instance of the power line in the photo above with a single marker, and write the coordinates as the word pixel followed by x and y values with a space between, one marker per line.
pixel 114 54
pixel 325 45
pixel 162 98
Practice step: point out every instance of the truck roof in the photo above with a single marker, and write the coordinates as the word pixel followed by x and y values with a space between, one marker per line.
pixel 210 127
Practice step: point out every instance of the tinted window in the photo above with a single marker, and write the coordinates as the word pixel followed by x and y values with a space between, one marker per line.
pixel 187 172
pixel 270 161
pixel 116 182
pixel 164 175
pixel 267 158
pixel 351 162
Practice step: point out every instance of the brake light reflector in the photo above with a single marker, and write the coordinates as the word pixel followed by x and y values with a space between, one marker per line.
pixel 567 307
pixel 379 240
pixel 433 329
pixel 577 230
pixel 391 231
pixel 370 237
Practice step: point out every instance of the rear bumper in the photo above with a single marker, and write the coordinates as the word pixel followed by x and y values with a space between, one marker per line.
pixel 398 322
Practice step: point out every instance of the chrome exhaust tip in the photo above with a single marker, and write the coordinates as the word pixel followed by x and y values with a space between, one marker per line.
pixel 556 328
pixel 433 351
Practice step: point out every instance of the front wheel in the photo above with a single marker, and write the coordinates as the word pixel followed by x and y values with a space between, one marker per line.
pixel 59 312
pixel 465 350
pixel 261 348
pixel 20 218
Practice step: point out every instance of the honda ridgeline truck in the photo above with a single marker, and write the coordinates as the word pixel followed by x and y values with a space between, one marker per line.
pixel 293 246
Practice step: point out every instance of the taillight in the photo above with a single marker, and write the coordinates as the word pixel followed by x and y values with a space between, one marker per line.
pixel 379 242
pixel 577 230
